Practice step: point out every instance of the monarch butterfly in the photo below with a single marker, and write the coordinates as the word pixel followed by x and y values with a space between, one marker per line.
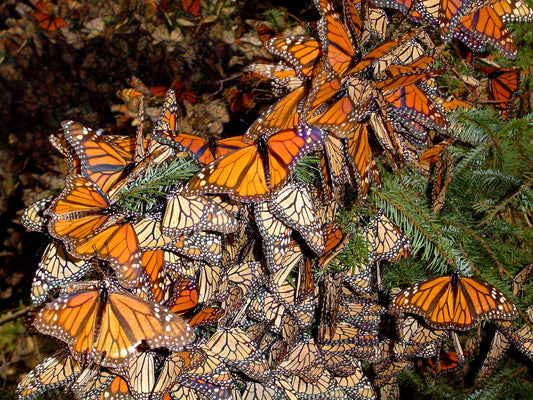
pixel 206 316
pixel 202 246
pixel 356 385
pixel 245 275
pixel 196 245
pixel 503 85
pixel 330 108
pixel 323 388
pixel 521 278
pixel 57 370
pixel 95 383
pixel 154 267
pixel 282 76
pixel 361 159
pixel 352 17
pixel 303 53
pixel 202 150
pixel 330 297
pixel 251 173
pixel 339 49
pixel 266 308
pixel 350 340
pixel 33 217
pixel 191 7
pixel 103 159
pixel 414 103
pixel 260 391
pixel 84 219
pixel 336 241
pixel 140 374
pixel 387 372
pixel 497 349
pixel 521 338
pixel 45 16
pixel 360 313
pixel 443 167
pixel 449 14
pixel 375 57
pixel 184 214
pixel 212 283
pixel 293 205
pixel 185 296
pixel 56 269
pixel 486 26
pixel 386 241
pixel 102 323
pixel 446 362
pixel 403 6
pixel 236 348
pixel 282 115
pixel 203 372
pixel 359 279
pixel 376 22
pixel 304 360
pixel 416 339
pixel 454 302
pixel 292 256
pixel 60 143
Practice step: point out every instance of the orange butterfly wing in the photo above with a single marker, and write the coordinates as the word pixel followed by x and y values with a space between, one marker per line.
pixel 71 319
pixel 102 160
pixel 119 245
pixel 487 26
pixel 301 52
pixel 280 116
pixel 243 174
pixel 110 331
pixel 339 49
pixel 454 302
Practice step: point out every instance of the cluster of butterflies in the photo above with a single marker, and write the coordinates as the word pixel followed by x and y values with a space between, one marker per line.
pixel 228 285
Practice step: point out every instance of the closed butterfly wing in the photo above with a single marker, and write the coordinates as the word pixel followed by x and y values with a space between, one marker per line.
pixel 282 76
pixel 338 47
pixel 498 347
pixel 293 205
pixel 386 240
pixel 103 159
pixel 503 86
pixel 301 52
pixel 417 339
pixel 56 269
pixel 276 236
pixel 361 160
pixel 184 214
pixel 58 370
pixel 356 385
pixel 237 349
pixel 33 217
pixel 522 278
pixel 412 102
pixel 185 297
pixel 282 115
